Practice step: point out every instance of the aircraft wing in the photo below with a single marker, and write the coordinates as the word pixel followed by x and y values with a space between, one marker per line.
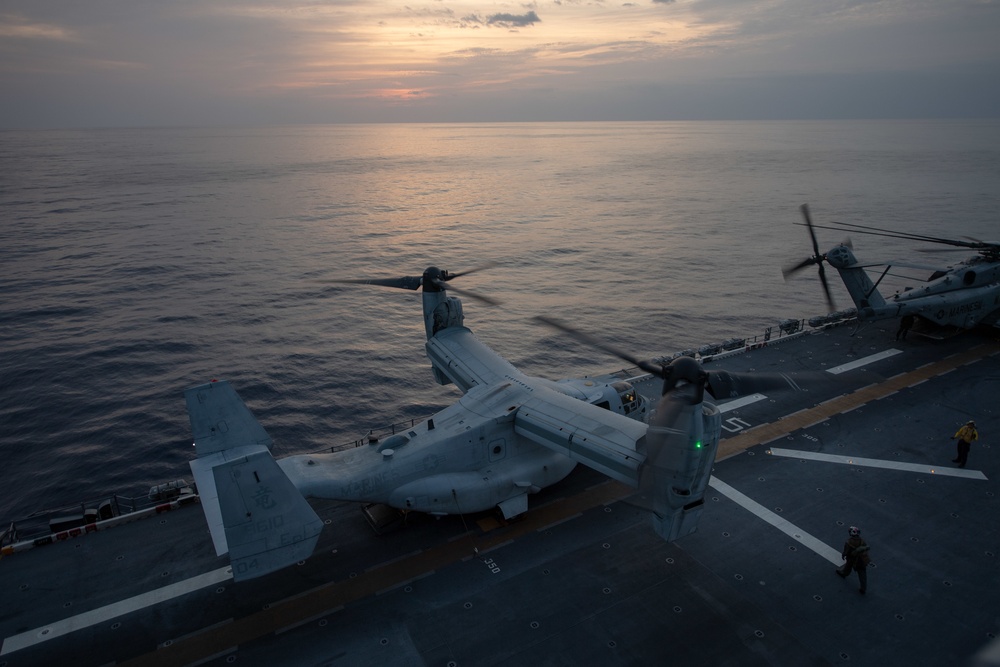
pixel 603 440
pixel 467 361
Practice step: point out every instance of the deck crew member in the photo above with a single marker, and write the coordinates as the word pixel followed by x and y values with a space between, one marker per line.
pixel 855 556
pixel 965 436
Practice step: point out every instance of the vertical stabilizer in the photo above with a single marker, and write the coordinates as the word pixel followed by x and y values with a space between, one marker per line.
pixel 269 525
pixel 221 420
pixel 861 288
pixel 253 510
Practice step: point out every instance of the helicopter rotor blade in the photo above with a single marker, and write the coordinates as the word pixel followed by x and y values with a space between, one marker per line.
pixel 826 288
pixel 974 244
pixel 725 384
pixel 809 224
pixel 488 265
pixel 789 271
pixel 818 258
pixel 403 282
pixel 469 293
pixel 937 250
pixel 438 278
pixel 587 339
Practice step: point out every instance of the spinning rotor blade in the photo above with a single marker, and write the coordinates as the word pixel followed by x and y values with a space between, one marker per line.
pixel 485 299
pixel 432 278
pixel 723 384
pixel 449 276
pixel 795 268
pixel 809 223
pixel 826 289
pixel 818 258
pixel 973 244
pixel 939 250
pixel 405 282
pixel 654 369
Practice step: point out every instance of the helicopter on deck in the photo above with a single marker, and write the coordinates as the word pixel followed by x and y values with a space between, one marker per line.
pixel 507 437
pixel 952 299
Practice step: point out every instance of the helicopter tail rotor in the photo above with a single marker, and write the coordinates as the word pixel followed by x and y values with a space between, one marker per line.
pixel 817 259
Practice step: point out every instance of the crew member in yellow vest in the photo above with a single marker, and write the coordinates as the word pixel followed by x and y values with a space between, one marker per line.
pixel 965 436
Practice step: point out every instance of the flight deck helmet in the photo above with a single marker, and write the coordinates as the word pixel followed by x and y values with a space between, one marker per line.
pixel 854 531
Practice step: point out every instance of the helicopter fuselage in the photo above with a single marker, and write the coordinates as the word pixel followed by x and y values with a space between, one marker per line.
pixel 963 296
pixel 466 458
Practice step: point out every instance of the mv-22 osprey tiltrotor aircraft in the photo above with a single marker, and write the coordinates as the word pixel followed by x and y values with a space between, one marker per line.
pixel 959 297
pixel 507 437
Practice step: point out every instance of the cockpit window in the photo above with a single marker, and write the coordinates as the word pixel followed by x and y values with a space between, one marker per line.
pixel 626 392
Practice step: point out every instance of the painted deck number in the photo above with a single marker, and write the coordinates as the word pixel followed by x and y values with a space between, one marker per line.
pixel 735 424
pixel 494 568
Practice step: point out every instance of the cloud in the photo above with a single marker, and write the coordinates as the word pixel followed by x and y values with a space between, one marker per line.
pixel 341 60
pixel 513 20
pixel 17 27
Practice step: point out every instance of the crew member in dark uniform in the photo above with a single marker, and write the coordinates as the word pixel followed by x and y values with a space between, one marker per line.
pixel 855 555
pixel 904 327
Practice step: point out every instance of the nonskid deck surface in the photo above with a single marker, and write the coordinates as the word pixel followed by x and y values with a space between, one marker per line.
pixel 581 578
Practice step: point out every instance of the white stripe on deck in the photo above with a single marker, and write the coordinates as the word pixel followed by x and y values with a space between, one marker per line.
pixel 878 463
pixel 113 610
pixel 737 403
pixel 864 361
pixel 796 533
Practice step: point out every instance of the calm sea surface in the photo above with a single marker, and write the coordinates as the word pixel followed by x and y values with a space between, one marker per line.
pixel 136 263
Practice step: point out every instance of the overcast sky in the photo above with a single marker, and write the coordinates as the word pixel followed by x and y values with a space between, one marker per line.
pixel 80 63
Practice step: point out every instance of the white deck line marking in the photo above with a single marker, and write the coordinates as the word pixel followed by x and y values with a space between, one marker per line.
pixel 120 608
pixel 783 525
pixel 864 361
pixel 879 463
pixel 740 402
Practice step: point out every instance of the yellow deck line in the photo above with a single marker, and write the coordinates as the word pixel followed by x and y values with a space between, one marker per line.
pixel 759 435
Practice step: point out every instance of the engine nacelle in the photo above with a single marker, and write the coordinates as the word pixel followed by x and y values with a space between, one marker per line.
pixel 681 471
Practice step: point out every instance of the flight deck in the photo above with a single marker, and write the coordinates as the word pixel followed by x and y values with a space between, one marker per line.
pixel 581 578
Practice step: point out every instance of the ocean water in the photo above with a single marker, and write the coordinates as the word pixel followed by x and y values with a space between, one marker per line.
pixel 135 263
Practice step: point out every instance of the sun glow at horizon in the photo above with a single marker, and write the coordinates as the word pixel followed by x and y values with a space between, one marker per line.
pixel 410 52
pixel 265 60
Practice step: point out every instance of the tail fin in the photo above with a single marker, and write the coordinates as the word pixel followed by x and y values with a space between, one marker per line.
pixel 254 512
pixel 863 291
pixel 220 419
